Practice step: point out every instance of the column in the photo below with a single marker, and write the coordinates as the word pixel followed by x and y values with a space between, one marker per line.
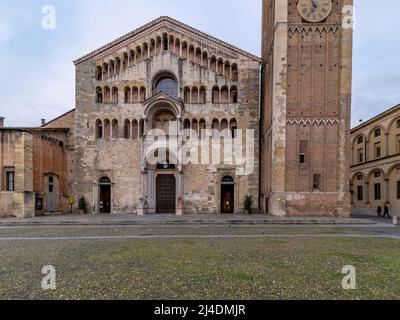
pixel 387 144
pixel 387 199
pixel 367 192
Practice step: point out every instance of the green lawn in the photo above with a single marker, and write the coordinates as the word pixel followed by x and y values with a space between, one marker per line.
pixel 270 268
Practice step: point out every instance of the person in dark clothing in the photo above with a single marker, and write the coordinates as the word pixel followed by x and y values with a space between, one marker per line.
pixel 386 212
pixel 379 212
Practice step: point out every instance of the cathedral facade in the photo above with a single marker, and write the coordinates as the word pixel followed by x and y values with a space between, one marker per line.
pixel 169 119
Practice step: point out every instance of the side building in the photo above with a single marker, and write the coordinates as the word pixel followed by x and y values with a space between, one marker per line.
pixel 34 164
pixel 375 169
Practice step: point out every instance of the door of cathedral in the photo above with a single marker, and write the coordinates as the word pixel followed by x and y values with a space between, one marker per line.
pixel 105 199
pixel 228 199
pixel 166 193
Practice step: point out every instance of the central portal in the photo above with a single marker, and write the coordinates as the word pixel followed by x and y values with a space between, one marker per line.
pixel 166 193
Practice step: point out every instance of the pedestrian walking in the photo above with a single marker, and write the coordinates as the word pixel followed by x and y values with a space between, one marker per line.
pixel 386 212
pixel 379 212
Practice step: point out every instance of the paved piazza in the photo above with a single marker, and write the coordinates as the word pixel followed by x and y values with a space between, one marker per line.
pixel 200 262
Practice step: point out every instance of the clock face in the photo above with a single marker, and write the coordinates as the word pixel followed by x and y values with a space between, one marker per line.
pixel 314 10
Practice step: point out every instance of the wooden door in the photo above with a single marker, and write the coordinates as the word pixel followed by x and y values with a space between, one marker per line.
pixel 166 193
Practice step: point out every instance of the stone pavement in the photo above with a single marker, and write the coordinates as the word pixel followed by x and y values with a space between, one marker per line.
pixel 206 219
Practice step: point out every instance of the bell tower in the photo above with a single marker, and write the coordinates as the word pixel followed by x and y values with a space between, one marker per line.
pixel 306 107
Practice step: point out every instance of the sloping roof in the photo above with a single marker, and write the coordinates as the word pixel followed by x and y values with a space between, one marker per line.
pixel 379 116
pixel 48 125
pixel 167 21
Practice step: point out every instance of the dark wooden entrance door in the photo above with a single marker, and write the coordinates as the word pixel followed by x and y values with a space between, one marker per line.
pixel 166 193
pixel 228 199
pixel 105 198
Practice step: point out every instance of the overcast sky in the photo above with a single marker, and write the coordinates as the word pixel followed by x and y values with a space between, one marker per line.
pixel 38 74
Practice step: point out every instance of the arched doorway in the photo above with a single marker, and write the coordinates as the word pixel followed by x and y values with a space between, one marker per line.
pixel 105 195
pixel 227 195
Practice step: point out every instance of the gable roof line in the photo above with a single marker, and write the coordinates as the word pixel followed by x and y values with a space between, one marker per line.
pixel 154 23
pixel 55 119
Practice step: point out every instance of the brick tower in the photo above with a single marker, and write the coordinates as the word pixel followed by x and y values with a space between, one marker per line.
pixel 306 107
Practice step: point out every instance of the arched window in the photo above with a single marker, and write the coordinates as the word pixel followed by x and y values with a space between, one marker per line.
pixel 235 72
pixel 114 98
pixel 215 124
pixel 202 127
pixel 117 66
pixel 191 53
pixel 127 129
pixel 186 95
pixel 195 95
pixel 233 127
pixel 224 124
pixel 145 50
pixel 167 85
pixel 115 129
pixel 99 73
pixel 171 44
pixel 127 95
pixel 152 47
pixel 184 50
pixel 107 95
pixel 138 54
pixel 99 129
pixel 234 95
pixel 195 126
pixel 125 62
pixel 135 95
pixel 198 56
pixel 107 129
pixel 227 70
pixel 177 47
pixel 165 42
pixel 135 129
pixel 186 124
pixel 99 95
pixel 213 64
pixel 204 62
pixel 141 127
pixel 377 132
pixel 224 95
pixel 215 95
pixel 131 57
pixel 158 45
pixel 203 95
pixel 220 67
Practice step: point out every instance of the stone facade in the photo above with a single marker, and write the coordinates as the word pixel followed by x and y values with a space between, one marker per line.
pixel 117 104
pixel 305 117
pixel 375 169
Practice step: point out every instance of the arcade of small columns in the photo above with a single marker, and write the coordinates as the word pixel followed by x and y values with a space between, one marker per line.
pixel 119 64
pixel 191 95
